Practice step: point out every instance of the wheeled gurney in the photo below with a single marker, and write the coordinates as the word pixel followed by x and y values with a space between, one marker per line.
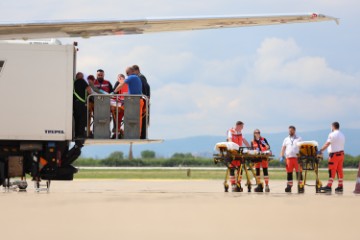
pixel 228 152
pixel 309 160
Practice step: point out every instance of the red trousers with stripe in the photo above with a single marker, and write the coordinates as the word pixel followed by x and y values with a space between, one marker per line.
pixel 291 164
pixel 336 162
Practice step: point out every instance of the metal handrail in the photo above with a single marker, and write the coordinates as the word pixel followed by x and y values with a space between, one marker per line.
pixel 117 110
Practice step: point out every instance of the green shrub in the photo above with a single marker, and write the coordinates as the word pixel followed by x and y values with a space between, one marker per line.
pixel 184 160
pixel 148 154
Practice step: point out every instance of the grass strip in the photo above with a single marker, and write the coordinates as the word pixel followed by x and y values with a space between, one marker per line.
pixel 184 174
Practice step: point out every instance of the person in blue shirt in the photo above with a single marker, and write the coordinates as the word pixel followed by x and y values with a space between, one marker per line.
pixel 133 82
pixel 135 88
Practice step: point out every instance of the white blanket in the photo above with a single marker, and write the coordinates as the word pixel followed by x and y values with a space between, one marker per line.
pixel 228 145
pixel 312 143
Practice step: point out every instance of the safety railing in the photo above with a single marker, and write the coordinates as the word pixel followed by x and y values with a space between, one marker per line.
pixel 115 103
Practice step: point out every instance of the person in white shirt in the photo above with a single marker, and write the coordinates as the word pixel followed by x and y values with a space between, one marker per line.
pixel 290 150
pixel 335 147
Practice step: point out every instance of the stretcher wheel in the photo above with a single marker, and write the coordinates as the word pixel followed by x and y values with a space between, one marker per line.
pixel 239 189
pixel 37 184
pixel 301 189
pixel 236 188
pixel 318 185
pixel 22 186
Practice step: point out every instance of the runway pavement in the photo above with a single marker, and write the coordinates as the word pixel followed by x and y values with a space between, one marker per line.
pixel 175 209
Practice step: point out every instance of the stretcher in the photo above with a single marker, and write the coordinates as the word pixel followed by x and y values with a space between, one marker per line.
pixel 228 152
pixel 309 160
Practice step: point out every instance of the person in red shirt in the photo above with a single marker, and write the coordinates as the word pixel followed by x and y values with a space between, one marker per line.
pixel 101 83
pixel 235 135
pixel 100 86
pixel 119 103
pixel 261 144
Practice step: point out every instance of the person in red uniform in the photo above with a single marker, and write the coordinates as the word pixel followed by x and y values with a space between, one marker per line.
pixel 102 86
pixel 101 83
pixel 235 135
pixel 335 147
pixel 118 102
pixel 261 144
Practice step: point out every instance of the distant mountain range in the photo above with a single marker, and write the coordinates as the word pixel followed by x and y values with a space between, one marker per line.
pixel 204 145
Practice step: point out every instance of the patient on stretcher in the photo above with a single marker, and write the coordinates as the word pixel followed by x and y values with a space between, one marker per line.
pixel 236 149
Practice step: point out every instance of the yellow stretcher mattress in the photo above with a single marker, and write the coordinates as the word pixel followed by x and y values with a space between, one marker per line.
pixel 307 148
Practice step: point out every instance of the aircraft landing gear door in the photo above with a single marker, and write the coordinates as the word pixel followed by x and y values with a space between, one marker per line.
pixel 132 117
pixel 101 117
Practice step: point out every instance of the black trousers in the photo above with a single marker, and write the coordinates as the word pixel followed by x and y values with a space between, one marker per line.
pixel 79 114
pixel 144 126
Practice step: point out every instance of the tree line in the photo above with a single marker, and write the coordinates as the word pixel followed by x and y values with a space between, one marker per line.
pixel 148 159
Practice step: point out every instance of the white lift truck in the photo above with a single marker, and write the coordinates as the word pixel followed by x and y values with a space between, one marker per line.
pixel 36 121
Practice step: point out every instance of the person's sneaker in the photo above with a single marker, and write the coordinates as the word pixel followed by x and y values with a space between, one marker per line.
pixel 259 188
pixel 288 189
pixel 339 189
pixel 325 189
pixel 267 188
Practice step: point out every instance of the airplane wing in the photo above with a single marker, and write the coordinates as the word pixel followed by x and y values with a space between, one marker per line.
pixel 86 29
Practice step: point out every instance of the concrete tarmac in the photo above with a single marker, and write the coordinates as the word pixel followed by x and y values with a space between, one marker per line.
pixel 176 209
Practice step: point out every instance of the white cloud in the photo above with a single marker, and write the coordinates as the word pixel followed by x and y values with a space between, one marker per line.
pixel 280 63
pixel 301 90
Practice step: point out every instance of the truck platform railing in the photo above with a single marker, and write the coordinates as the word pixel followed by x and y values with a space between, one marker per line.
pixel 101 108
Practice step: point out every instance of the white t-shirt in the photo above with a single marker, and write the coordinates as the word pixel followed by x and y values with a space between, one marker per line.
pixel 337 141
pixel 291 147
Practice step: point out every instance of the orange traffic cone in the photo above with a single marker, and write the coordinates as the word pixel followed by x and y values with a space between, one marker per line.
pixel 357 186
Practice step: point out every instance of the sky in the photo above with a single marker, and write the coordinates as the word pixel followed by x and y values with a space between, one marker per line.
pixel 202 82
